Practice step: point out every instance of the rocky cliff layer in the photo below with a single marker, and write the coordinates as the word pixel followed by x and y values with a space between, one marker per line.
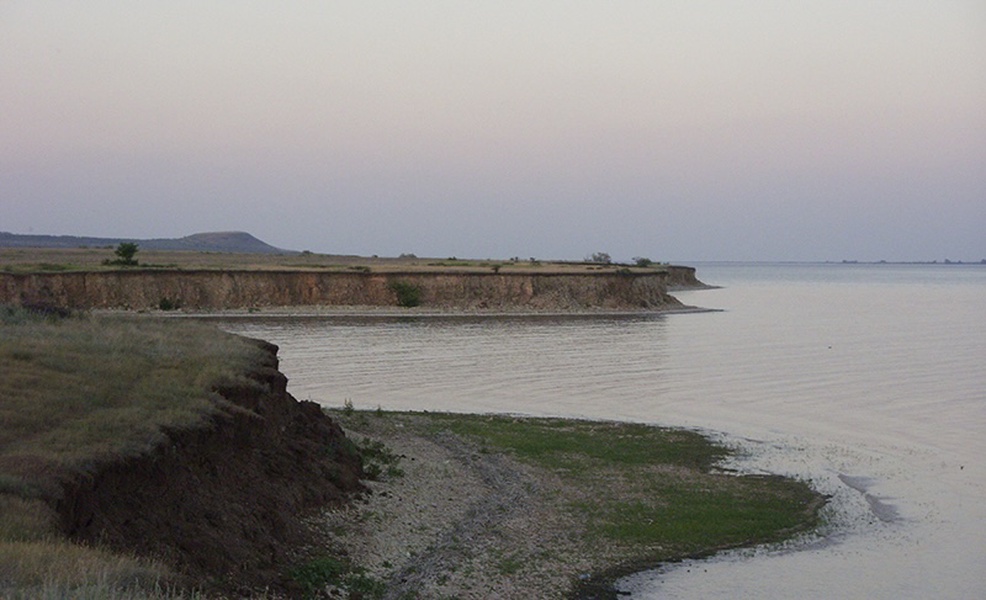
pixel 210 290
pixel 222 503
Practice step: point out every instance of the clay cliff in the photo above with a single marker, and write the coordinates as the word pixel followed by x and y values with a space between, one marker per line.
pixel 684 278
pixel 222 503
pixel 139 289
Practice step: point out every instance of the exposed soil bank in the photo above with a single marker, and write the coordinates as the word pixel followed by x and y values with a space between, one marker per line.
pixel 684 278
pixel 223 503
pixel 140 289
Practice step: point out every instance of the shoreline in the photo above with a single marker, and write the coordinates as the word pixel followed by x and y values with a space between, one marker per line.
pixel 461 518
pixel 251 498
pixel 387 312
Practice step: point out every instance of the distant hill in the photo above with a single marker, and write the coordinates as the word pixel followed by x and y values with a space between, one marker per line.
pixel 221 241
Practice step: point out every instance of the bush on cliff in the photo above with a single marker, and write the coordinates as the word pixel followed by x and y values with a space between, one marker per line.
pixel 408 294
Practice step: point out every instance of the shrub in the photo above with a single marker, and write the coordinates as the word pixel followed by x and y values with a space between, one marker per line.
pixel 169 304
pixel 318 573
pixel 408 294
pixel 379 460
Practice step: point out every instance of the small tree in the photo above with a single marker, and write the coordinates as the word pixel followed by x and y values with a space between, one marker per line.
pixel 601 257
pixel 642 261
pixel 125 253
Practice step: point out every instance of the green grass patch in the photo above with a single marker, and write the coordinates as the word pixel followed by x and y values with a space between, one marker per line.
pixel 326 572
pixel 575 445
pixel 648 486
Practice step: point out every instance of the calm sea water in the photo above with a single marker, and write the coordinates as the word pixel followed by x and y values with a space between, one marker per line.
pixel 869 380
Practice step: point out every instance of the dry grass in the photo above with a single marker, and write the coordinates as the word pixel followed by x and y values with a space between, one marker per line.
pixel 51 567
pixel 85 389
pixel 80 391
pixel 21 260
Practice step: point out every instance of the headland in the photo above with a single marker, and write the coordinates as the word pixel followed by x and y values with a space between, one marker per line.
pixel 198 281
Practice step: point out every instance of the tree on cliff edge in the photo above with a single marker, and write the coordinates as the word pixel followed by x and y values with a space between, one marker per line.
pixel 125 253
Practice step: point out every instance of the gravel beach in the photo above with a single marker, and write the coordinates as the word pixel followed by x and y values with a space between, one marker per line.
pixel 457 515
pixel 462 522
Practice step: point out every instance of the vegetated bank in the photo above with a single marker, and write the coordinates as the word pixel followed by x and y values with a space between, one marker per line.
pixel 136 454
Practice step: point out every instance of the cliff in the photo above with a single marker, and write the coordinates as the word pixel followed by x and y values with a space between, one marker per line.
pixel 212 289
pixel 684 278
pixel 222 503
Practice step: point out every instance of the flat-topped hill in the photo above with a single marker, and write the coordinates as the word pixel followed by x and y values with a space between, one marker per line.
pixel 217 241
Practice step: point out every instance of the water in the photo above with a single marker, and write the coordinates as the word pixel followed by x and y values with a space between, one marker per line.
pixel 868 380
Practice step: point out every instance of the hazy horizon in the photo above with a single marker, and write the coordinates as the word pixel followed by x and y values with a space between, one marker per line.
pixel 680 131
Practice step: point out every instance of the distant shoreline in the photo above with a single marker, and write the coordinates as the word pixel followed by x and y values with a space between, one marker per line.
pixel 388 312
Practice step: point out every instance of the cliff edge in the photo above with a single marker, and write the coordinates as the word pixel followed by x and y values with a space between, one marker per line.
pixel 141 289
pixel 222 503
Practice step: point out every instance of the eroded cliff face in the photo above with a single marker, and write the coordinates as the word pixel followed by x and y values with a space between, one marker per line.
pixel 683 278
pixel 212 290
pixel 222 503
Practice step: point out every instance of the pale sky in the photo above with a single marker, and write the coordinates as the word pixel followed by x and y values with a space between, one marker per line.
pixel 676 130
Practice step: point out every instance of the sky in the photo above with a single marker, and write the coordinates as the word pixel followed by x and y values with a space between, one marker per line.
pixel 680 130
